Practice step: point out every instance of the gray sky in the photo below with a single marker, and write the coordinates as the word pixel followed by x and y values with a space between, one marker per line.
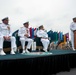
pixel 53 14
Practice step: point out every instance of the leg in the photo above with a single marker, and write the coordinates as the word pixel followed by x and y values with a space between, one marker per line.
pixel 13 45
pixel 29 43
pixel 1 46
pixel 23 44
pixel 45 43
pixel 72 41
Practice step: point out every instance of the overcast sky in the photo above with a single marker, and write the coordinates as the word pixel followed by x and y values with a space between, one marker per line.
pixel 53 14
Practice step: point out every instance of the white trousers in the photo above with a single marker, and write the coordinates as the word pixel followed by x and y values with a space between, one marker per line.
pixel 45 43
pixel 12 39
pixel 72 39
pixel 23 40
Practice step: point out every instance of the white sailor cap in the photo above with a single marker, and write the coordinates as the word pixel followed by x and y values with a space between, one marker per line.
pixel 74 18
pixel 40 25
pixel 26 23
pixel 6 18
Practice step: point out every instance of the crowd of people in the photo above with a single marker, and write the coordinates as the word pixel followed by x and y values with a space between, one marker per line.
pixel 24 34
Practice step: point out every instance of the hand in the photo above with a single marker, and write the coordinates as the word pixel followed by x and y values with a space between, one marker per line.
pixel 44 38
pixel 26 35
pixel 7 37
pixel 8 27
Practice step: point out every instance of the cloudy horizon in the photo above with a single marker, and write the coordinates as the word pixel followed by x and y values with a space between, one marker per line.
pixel 53 14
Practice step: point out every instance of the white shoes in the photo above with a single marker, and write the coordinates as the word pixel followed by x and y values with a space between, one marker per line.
pixel 15 49
pixel 74 49
pixel 45 50
pixel 25 51
pixel 2 52
pixel 12 52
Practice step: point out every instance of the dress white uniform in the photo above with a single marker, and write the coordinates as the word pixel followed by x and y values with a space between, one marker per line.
pixel 22 31
pixel 44 38
pixel 72 28
pixel 4 31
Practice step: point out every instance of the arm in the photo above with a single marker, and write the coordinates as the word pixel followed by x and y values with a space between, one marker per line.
pixel 10 30
pixel 1 32
pixel 20 33
pixel 72 27
pixel 28 33
pixel 39 34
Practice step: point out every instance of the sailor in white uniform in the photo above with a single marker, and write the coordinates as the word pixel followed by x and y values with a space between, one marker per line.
pixel 24 34
pixel 6 34
pixel 73 28
pixel 44 37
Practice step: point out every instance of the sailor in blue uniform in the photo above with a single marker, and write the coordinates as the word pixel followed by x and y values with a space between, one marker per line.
pixel 6 34
pixel 24 34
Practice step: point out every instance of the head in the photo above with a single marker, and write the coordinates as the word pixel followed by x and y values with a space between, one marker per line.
pixel 41 27
pixel 74 19
pixel 26 24
pixel 5 20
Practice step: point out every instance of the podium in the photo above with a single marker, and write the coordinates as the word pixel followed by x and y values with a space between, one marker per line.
pixel 75 39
